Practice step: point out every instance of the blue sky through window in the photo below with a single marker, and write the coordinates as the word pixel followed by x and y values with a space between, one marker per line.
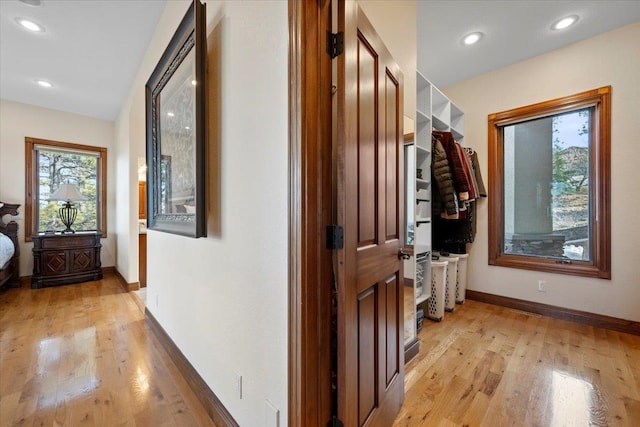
pixel 568 128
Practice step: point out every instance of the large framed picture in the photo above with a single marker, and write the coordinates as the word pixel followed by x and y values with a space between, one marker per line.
pixel 176 131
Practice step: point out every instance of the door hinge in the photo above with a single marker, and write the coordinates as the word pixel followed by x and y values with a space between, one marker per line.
pixel 335 43
pixel 335 237
pixel 334 422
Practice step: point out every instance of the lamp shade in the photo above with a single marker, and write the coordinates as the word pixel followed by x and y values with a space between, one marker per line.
pixel 67 192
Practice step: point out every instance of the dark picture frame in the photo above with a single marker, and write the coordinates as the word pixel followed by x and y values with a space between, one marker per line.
pixel 176 131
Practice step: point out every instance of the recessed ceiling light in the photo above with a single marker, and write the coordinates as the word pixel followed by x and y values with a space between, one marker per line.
pixel 472 38
pixel 565 22
pixel 44 83
pixel 193 82
pixel 30 25
pixel 32 2
pixel 170 114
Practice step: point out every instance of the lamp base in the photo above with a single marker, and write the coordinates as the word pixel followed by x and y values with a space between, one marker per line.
pixel 67 215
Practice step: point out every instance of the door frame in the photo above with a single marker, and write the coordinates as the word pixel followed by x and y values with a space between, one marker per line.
pixel 310 212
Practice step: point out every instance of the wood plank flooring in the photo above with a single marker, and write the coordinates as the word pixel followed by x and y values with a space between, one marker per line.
pixel 486 365
pixel 82 355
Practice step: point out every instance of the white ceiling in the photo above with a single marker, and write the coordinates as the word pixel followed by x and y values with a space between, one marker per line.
pixel 91 49
pixel 513 31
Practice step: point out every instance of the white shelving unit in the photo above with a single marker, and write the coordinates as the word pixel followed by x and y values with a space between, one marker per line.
pixel 433 111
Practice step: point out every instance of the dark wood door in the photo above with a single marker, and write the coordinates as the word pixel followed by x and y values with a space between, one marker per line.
pixel 370 208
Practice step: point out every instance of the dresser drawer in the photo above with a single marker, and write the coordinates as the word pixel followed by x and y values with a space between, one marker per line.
pixel 69 242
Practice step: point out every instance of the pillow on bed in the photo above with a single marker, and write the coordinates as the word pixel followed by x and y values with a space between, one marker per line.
pixel 6 249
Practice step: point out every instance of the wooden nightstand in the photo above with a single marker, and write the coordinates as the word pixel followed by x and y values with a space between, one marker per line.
pixel 60 259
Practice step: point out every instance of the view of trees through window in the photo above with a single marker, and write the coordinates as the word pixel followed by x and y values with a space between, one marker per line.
pixel 570 185
pixel 59 167
pixel 547 186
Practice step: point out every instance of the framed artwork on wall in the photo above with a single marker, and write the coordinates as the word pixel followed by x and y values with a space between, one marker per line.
pixel 176 131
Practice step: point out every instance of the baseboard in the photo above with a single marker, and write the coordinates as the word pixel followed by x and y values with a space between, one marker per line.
pixel 139 303
pixel 128 287
pixel 216 410
pixel 411 350
pixel 592 319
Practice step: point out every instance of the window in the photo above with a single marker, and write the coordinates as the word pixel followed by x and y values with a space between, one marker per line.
pixel 51 163
pixel 549 171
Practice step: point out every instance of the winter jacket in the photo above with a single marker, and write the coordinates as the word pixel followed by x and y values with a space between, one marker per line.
pixel 444 197
pixel 460 182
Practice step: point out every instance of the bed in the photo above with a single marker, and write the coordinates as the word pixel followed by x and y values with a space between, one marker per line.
pixel 9 248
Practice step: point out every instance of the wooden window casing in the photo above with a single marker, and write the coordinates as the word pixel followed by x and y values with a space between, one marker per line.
pixel 31 182
pixel 599 177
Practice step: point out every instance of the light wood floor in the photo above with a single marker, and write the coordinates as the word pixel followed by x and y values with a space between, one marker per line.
pixel 81 355
pixel 491 366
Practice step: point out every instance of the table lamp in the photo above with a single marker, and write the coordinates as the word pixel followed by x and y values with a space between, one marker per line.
pixel 67 193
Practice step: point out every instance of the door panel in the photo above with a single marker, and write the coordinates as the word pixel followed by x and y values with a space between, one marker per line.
pixel 367 372
pixel 367 144
pixel 369 171
pixel 392 155
pixel 391 330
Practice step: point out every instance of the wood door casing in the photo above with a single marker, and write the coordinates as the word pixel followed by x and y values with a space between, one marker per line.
pixel 311 210
pixel 370 208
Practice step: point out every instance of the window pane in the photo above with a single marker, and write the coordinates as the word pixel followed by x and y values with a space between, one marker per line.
pixel 546 186
pixel 58 167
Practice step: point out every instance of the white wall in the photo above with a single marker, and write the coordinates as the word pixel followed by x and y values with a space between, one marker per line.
pixel 395 22
pixel 223 299
pixel 609 59
pixel 18 121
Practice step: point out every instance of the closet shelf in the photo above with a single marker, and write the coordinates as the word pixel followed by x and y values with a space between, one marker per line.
pixel 419 221
pixel 422 183
pixel 422 117
pixel 423 297
pixel 439 124
pixel 421 151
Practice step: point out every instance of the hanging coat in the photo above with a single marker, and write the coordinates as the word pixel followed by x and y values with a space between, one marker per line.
pixel 443 198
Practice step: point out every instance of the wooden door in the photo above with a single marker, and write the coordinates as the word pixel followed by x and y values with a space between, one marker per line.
pixel 370 208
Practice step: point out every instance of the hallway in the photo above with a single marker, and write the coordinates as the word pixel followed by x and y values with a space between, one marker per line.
pixel 82 355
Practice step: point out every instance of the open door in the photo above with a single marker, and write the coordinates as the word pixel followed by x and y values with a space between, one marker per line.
pixel 370 209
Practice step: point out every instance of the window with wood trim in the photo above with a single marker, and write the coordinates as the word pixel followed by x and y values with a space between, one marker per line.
pixel 549 171
pixel 50 164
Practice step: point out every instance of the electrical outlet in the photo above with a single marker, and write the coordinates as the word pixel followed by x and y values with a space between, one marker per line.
pixel 542 286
